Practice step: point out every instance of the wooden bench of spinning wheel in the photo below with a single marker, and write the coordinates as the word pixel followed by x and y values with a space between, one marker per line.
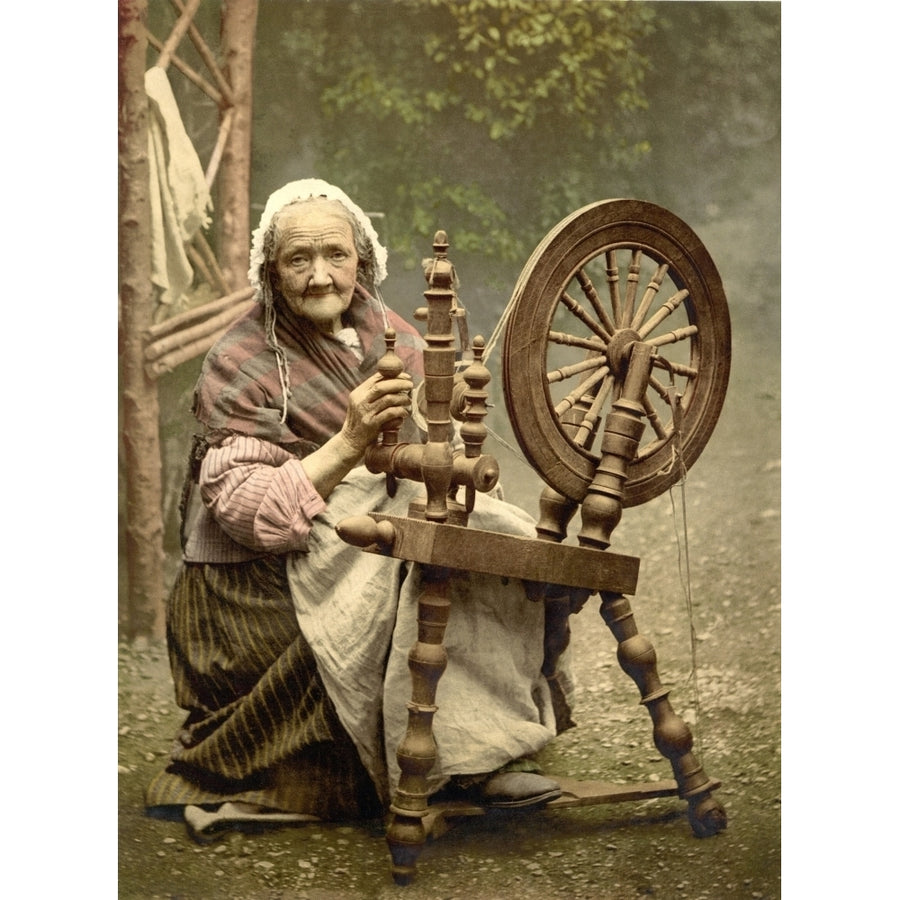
pixel 579 362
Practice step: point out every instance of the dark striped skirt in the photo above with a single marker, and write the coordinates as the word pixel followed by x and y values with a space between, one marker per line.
pixel 260 726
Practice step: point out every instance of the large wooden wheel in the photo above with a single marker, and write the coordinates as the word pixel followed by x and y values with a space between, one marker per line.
pixel 610 274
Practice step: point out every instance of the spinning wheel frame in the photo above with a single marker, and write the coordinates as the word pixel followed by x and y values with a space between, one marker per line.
pixel 427 535
pixel 542 295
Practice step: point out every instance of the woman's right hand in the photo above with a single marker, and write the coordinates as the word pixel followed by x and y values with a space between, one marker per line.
pixel 372 405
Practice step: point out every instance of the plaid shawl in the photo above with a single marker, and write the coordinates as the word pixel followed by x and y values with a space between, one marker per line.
pixel 239 390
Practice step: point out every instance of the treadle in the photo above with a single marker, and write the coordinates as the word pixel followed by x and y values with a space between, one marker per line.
pixel 590 793
pixel 442 816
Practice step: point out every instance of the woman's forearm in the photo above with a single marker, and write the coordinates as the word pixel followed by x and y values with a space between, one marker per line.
pixel 327 467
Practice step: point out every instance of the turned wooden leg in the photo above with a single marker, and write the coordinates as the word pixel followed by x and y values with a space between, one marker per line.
pixel 417 751
pixel 672 737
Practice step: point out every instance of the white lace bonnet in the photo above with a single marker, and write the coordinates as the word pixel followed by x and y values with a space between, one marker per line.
pixel 304 190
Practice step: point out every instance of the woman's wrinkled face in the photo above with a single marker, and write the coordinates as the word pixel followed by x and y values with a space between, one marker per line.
pixel 315 262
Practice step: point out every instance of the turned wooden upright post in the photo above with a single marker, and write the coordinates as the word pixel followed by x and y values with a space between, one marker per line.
pixel 440 364
pixel 417 751
pixel 474 402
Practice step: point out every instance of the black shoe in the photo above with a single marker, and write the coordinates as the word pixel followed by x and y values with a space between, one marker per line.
pixel 515 790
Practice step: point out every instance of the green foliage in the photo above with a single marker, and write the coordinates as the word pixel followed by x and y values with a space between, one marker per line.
pixel 436 111
pixel 534 58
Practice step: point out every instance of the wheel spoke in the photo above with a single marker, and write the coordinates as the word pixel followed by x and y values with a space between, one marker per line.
pixel 586 365
pixel 612 280
pixel 590 292
pixel 649 294
pixel 659 388
pixel 676 368
pixel 586 387
pixel 634 274
pixel 581 313
pixel 673 337
pixel 663 313
pixel 653 418
pixel 571 340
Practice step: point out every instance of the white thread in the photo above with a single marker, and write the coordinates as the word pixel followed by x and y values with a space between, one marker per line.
pixel 501 324
pixel 684 573
pixel 384 315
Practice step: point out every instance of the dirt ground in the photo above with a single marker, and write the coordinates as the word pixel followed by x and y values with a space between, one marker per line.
pixel 731 600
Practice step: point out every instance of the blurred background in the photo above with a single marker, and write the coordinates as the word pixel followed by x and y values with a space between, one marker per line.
pixel 494 120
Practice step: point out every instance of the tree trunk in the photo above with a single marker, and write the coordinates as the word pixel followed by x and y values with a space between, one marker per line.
pixel 238 35
pixel 140 405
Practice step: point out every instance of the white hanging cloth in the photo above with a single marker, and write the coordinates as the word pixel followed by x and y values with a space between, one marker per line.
pixel 179 196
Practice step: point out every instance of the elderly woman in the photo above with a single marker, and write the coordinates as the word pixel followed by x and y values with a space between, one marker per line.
pixel 287 646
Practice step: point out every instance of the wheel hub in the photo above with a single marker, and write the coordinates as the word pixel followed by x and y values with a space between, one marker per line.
pixel 618 351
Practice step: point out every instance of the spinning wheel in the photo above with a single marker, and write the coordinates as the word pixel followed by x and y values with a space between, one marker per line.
pixel 584 370
pixel 610 274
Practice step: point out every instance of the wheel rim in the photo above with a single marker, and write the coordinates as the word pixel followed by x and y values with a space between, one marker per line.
pixel 611 273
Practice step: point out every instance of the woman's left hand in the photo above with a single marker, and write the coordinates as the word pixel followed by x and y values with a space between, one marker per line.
pixel 373 405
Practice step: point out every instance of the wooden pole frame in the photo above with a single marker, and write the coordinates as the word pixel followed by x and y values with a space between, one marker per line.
pixel 238 35
pixel 146 350
pixel 140 402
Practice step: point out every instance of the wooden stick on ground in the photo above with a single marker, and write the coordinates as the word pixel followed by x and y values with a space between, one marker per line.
pixel 181 338
pixel 171 361
pixel 197 314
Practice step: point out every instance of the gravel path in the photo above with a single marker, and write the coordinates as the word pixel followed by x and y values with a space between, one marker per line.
pixel 618 851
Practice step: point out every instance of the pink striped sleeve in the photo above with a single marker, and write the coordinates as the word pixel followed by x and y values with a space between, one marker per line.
pixel 259 494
